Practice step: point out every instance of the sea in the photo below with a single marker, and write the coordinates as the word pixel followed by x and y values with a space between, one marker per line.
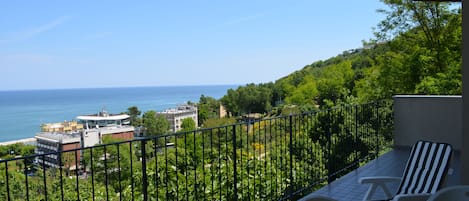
pixel 22 112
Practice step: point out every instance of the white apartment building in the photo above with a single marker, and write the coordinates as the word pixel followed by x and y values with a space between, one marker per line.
pixel 176 115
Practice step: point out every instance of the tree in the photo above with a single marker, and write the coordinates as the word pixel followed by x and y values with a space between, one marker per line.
pixel 149 123
pixel 426 41
pixel 134 114
pixel 208 108
pixel 188 124
pixel 335 82
pixel 305 93
pixel 229 102
pixel 154 124
pixel 162 124
pixel 251 98
pixel 422 51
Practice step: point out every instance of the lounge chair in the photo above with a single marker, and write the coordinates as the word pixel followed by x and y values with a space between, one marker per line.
pixel 316 198
pixel 423 175
pixel 456 193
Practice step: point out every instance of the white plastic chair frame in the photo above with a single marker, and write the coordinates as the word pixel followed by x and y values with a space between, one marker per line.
pixel 424 173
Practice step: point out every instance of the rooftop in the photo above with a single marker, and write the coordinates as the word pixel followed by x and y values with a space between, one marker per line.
pixel 66 126
pixel 179 109
pixel 103 116
pixel 59 137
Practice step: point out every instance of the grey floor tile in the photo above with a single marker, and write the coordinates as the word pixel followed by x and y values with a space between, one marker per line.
pixel 389 164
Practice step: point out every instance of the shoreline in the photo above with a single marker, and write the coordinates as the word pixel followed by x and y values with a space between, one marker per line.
pixel 28 109
pixel 31 141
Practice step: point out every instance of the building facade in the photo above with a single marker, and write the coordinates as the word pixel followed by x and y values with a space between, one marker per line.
pixel 66 126
pixel 101 125
pixel 89 131
pixel 54 142
pixel 175 116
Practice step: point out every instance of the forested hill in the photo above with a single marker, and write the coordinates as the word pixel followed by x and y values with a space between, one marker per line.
pixel 417 50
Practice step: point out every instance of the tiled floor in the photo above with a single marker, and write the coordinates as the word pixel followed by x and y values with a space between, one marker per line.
pixel 390 164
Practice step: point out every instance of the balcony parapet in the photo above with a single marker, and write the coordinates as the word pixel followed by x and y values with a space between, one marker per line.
pixel 431 118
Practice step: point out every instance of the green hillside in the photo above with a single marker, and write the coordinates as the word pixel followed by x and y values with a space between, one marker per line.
pixel 416 50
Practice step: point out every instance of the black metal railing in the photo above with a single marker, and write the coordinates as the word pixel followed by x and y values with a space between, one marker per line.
pixel 279 158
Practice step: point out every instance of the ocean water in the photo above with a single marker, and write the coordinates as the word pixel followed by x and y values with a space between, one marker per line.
pixel 22 112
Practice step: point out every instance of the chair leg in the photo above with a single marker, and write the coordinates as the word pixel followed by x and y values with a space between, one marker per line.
pixel 386 190
pixel 370 192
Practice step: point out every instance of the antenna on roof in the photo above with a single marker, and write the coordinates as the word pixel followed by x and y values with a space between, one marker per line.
pixel 103 112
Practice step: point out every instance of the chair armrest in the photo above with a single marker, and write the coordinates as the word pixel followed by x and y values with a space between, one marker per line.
pixel 378 182
pixel 368 180
pixel 412 197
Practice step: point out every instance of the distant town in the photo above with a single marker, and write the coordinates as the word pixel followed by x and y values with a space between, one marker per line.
pixel 90 130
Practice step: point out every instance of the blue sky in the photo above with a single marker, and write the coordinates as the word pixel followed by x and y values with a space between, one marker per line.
pixel 86 44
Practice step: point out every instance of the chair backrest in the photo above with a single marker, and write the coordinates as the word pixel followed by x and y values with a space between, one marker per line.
pixel 426 168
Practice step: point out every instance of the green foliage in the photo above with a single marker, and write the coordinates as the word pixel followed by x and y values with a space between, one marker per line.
pixel 134 114
pixel 162 125
pixel 247 99
pixel 449 82
pixel 417 50
pixel 150 123
pixel 335 82
pixel 305 93
pixel 213 123
pixel 17 149
pixel 188 124
pixel 424 55
pixel 208 108
pixel 154 124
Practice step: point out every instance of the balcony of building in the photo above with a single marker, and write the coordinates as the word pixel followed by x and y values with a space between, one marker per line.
pixel 433 118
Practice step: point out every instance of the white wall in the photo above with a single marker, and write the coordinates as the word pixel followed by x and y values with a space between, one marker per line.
pixel 90 137
pixel 434 118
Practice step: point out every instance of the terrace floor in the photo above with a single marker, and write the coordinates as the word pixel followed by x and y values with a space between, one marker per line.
pixel 389 164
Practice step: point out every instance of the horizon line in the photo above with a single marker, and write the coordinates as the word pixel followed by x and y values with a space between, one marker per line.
pixel 116 87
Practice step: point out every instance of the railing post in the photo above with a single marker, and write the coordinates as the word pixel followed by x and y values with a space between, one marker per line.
pixel 92 174
pixel 76 174
pixel 44 175
pixel 377 129
pixel 7 180
pixel 329 147
pixel 357 159
pixel 144 171
pixel 26 179
pixel 291 153
pixel 235 173
pixel 106 180
pixel 59 156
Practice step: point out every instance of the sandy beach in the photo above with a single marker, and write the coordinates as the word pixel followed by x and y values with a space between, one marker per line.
pixel 24 141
